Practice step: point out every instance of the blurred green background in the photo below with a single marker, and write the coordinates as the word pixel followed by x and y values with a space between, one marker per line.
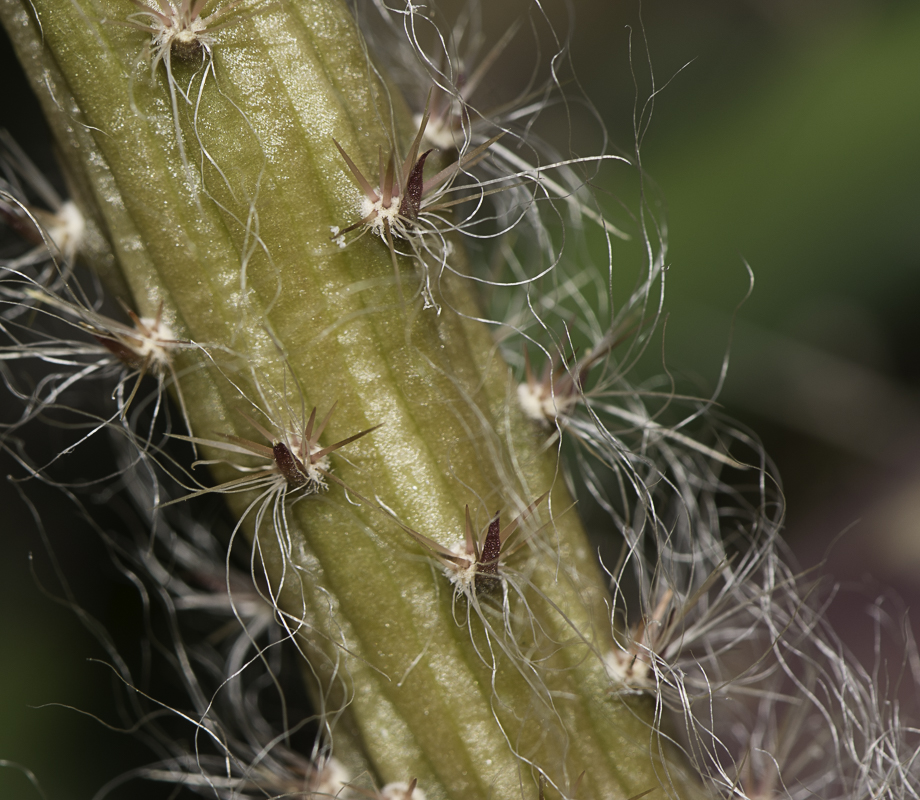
pixel 791 141
pixel 788 137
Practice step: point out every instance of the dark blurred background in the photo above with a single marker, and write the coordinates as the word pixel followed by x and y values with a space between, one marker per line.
pixel 787 137
pixel 791 141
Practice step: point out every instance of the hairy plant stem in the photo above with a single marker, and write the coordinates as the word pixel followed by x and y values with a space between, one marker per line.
pixel 257 192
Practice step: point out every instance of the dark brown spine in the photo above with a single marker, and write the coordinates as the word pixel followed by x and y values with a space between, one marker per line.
pixel 289 465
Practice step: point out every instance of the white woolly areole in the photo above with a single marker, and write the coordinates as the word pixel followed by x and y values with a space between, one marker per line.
pixel 628 670
pixel 331 778
pixel 300 448
pixel 540 405
pixel 463 577
pixel 153 338
pixel 185 35
pixel 400 791
pixel 315 471
pixel 391 213
pixel 67 228
pixel 442 136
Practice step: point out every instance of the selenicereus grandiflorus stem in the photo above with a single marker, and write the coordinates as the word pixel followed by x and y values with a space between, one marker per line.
pixel 208 149
pixel 356 304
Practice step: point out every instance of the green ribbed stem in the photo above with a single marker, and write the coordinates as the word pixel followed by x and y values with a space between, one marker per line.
pixel 286 81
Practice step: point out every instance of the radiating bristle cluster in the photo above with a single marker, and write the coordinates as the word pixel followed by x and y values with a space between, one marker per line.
pixel 52 229
pixel 177 28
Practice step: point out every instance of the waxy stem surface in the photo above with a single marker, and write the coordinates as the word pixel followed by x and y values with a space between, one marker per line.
pixel 234 240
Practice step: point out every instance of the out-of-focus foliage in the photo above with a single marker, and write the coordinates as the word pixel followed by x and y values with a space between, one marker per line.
pixel 789 141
